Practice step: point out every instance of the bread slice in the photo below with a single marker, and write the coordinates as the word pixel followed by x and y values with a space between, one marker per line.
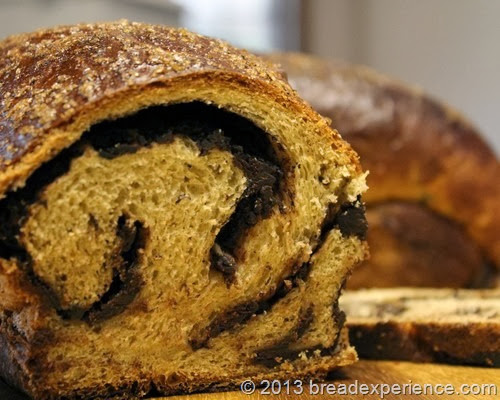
pixel 427 325
pixel 174 217
pixel 433 207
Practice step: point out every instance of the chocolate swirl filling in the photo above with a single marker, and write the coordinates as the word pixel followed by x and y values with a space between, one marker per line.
pixel 209 127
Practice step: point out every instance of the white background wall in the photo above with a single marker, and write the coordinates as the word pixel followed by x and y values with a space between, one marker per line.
pixel 451 48
pixel 27 15
pixel 260 25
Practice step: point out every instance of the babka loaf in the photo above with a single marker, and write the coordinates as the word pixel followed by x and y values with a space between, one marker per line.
pixel 428 325
pixel 173 217
pixel 433 207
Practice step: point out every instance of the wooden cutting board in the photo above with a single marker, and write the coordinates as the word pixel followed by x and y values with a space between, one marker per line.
pixel 368 372
pixel 391 372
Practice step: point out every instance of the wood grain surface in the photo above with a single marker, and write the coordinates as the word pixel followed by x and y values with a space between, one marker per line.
pixel 367 372
pixel 391 372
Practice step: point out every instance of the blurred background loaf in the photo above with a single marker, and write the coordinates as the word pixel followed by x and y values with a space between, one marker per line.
pixel 434 201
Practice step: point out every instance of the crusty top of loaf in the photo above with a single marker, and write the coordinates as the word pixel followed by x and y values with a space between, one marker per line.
pixel 47 78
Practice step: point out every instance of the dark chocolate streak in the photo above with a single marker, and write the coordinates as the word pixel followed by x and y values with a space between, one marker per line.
pixel 210 128
pixel 127 281
pixel 232 317
pixel 274 355
pixel 350 220
pixel 241 313
pixel 14 207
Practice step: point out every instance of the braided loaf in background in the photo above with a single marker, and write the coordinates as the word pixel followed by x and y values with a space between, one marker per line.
pixel 173 217
pixel 433 206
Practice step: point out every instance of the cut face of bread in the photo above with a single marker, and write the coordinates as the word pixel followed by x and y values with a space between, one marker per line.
pixel 173 217
pixel 426 325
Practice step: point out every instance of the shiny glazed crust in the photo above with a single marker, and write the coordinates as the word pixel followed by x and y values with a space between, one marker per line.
pixel 417 149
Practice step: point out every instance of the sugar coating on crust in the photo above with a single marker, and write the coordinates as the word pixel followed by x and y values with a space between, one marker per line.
pixel 48 77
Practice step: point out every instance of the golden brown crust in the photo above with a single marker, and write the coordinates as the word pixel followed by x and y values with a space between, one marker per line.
pixel 51 78
pixel 416 149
